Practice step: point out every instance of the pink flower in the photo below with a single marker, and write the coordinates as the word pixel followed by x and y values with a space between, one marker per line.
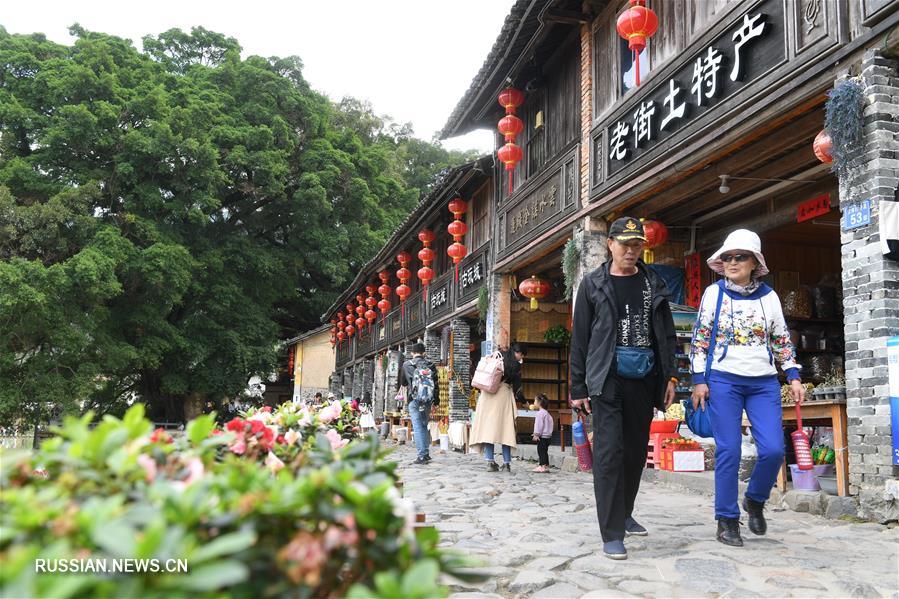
pixel 336 441
pixel 195 470
pixel 331 412
pixel 291 437
pixel 274 464
pixel 149 466
pixel 238 447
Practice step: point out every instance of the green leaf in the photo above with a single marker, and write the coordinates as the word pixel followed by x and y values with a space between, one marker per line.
pixel 215 576
pixel 421 580
pixel 199 428
pixel 228 544
pixel 115 537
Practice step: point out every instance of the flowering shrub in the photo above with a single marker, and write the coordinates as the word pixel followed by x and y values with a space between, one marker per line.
pixel 280 502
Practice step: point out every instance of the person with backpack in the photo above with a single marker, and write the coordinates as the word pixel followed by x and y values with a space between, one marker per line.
pixel 419 376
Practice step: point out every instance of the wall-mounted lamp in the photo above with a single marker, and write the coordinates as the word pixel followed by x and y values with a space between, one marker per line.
pixel 724 187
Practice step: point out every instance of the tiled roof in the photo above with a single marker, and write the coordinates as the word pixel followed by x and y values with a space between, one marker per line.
pixel 521 24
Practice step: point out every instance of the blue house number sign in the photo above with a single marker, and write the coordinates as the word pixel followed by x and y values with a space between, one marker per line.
pixel 857 215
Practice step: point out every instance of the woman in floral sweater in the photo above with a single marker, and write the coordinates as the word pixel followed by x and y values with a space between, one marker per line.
pixel 741 320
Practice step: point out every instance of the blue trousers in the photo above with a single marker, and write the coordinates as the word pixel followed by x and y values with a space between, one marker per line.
pixel 420 427
pixel 729 395
pixel 507 453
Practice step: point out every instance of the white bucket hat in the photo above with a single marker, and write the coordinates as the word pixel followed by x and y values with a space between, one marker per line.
pixel 741 239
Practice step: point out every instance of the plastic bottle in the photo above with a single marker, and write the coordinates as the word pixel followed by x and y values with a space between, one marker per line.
pixel 577 431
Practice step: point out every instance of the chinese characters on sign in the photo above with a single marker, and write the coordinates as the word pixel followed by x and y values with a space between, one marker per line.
pixel 438 298
pixel 472 274
pixel 817 206
pixel 533 209
pixel 733 59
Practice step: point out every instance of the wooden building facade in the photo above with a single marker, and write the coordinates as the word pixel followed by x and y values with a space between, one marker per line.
pixel 717 136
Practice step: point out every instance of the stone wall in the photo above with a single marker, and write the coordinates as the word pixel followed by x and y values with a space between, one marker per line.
pixel 378 388
pixel 347 388
pixel 871 294
pixel 393 366
pixel 461 373
pixel 499 312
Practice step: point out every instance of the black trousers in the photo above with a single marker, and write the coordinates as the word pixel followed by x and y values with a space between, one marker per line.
pixel 543 450
pixel 621 420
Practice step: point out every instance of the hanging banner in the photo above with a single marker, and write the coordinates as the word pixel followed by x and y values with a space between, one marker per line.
pixel 694 279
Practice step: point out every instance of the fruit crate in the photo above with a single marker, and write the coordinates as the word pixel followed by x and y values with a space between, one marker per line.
pixel 654 450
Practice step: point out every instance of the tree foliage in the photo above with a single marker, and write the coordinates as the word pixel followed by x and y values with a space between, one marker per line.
pixel 166 216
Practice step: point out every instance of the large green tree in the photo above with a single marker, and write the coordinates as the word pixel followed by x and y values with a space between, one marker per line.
pixel 166 216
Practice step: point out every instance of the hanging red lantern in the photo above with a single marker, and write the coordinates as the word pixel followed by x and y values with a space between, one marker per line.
pixel 510 99
pixel 350 329
pixel 371 316
pixel 534 288
pixel 656 234
pixel 457 229
pixel 384 290
pixel 510 155
pixel 341 325
pixel 341 336
pixel 339 316
pixel 350 318
pixel 360 298
pixel 510 126
pixel 384 275
pixel 384 307
pixel 360 323
pixel 458 207
pixel 425 275
pixel 823 147
pixel 403 291
pixel 360 310
pixel 457 252
pixel 636 25
pixel 403 274
pixel 290 355
pixel 426 236
pixel 426 255
pixel 404 258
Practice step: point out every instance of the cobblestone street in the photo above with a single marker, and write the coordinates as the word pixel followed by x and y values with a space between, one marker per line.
pixel 538 537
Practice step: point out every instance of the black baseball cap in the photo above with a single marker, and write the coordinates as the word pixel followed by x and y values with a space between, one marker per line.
pixel 627 228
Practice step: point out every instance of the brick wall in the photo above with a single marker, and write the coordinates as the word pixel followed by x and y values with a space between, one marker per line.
pixel 432 345
pixel 586 108
pixel 461 375
pixel 871 292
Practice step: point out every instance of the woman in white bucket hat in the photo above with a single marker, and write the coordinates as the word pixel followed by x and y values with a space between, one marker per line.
pixel 740 334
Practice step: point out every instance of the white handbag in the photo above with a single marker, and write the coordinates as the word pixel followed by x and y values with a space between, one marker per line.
pixel 488 375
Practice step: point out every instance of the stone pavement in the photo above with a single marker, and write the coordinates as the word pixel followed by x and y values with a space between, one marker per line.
pixel 537 536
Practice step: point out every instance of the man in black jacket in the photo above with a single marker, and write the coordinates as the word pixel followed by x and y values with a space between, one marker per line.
pixel 421 394
pixel 623 365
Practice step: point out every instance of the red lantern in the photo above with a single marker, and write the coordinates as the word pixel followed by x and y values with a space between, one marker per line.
pixel 341 325
pixel 350 318
pixel 425 274
pixel 457 228
pixel 823 147
pixel 636 24
pixel 457 252
pixel 360 323
pixel 403 258
pixel 371 288
pixel 510 99
pixel 350 329
pixel 403 291
pixel 384 275
pixel 656 234
pixel 339 316
pixel 404 274
pixel 384 290
pixel 510 155
pixel 384 307
pixel 458 207
pixel 426 255
pixel 360 310
pixel 510 126
pixel 360 298
pixel 371 316
pixel 534 289
pixel 426 236
pixel 370 301
pixel 341 336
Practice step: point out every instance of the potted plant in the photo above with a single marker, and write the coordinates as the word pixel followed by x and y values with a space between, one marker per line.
pixel 557 334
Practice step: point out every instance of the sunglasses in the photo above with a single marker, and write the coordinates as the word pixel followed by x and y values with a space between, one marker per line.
pixel 735 257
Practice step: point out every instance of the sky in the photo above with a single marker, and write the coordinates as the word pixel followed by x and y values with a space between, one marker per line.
pixel 412 59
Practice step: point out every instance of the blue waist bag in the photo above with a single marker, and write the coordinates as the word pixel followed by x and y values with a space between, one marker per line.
pixel 634 362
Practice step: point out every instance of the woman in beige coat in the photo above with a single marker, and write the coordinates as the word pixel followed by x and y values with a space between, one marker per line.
pixel 494 418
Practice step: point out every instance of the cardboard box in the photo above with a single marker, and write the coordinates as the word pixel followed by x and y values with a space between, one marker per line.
pixel 682 460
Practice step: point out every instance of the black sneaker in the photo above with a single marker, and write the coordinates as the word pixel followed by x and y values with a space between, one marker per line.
pixel 632 527
pixel 729 532
pixel 755 510
pixel 506 467
pixel 420 461
pixel 427 458
pixel 492 467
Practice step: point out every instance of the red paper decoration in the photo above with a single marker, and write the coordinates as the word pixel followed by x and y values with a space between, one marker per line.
pixel 694 279
pixel 341 336
pixel 457 251
pixel 360 324
pixel 823 147
pixel 350 329
pixel 510 126
pixel 534 288
pixel 636 24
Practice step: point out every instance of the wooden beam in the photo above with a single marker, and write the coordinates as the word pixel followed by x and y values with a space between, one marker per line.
pixel 567 17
